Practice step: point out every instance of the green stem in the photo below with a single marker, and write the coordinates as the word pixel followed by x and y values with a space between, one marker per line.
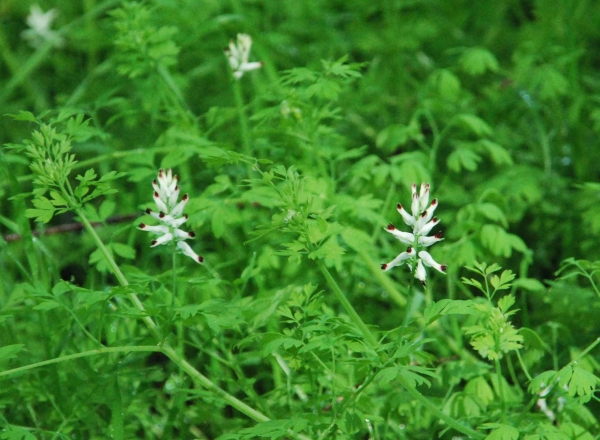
pixel 408 311
pixel 436 411
pixel 174 281
pixel 243 119
pixel 209 385
pixel 523 366
pixel 166 349
pixel 501 389
pixel 373 344
pixel 585 352
pixel 371 340
pixel 80 355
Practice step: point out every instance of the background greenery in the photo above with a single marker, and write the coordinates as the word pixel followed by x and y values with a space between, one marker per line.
pixel 497 104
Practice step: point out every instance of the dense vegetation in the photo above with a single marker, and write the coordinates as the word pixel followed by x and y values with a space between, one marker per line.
pixel 295 291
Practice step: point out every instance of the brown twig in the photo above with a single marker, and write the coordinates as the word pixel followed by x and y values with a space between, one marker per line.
pixel 71 227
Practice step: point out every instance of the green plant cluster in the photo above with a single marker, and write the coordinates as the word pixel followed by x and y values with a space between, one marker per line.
pixel 292 169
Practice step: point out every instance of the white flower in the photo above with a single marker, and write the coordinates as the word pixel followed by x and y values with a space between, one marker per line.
pixel 422 221
pixel 238 54
pixel 39 27
pixel 170 213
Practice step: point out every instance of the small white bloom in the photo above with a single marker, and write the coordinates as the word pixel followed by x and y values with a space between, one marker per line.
pixel 238 54
pixel 166 193
pixel 422 221
pixel 39 31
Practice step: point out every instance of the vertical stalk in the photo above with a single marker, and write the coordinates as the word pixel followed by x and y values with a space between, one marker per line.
pixel 178 359
pixel 403 381
pixel 356 319
pixel 243 119
pixel 501 389
pixel 174 280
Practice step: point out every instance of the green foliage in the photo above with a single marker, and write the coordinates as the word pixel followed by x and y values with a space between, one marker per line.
pixel 142 46
pixel 290 329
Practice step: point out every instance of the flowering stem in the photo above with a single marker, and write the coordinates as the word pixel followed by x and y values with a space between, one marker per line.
pixel 174 258
pixel 178 359
pixel 117 271
pixel 239 103
pixel 373 344
pixel 412 299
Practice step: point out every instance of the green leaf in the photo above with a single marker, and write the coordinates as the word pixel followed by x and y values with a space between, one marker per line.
pixel 542 381
pixel 435 310
pixel 477 60
pixel 106 209
pixel 530 284
pixel 57 199
pixel 495 239
pixel 89 176
pixel 285 343
pixel 492 212
pixel 413 378
pixel 123 250
pixel 583 383
pixel 98 258
pixel 475 124
pixel 10 351
pixel 479 387
pixel 41 215
pixel 331 250
pixel 504 281
pixel 16 433
pixel 551 82
pixel 47 305
pixel 446 83
pixel 61 288
pixel 463 157
pixel 23 116
pixel 386 375
pixel 506 302
pixel 501 432
pixel 499 154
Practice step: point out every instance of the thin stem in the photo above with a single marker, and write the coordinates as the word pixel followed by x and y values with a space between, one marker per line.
pixel 500 389
pixel 209 385
pixel 523 366
pixel 356 319
pixel 412 298
pixel 166 349
pixel 117 272
pixel 179 100
pixel 585 352
pixel 69 357
pixel 373 344
pixel 243 119
pixel 383 279
pixel 174 280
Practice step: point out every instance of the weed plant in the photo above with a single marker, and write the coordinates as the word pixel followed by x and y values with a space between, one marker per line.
pixel 202 243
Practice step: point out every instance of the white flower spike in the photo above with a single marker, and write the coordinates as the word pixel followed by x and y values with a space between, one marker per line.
pixel 422 222
pixel 166 193
pixel 39 31
pixel 238 54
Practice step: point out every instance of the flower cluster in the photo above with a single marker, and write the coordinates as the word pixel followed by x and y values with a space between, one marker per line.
pixel 238 54
pixel 170 213
pixel 422 221
pixel 39 31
